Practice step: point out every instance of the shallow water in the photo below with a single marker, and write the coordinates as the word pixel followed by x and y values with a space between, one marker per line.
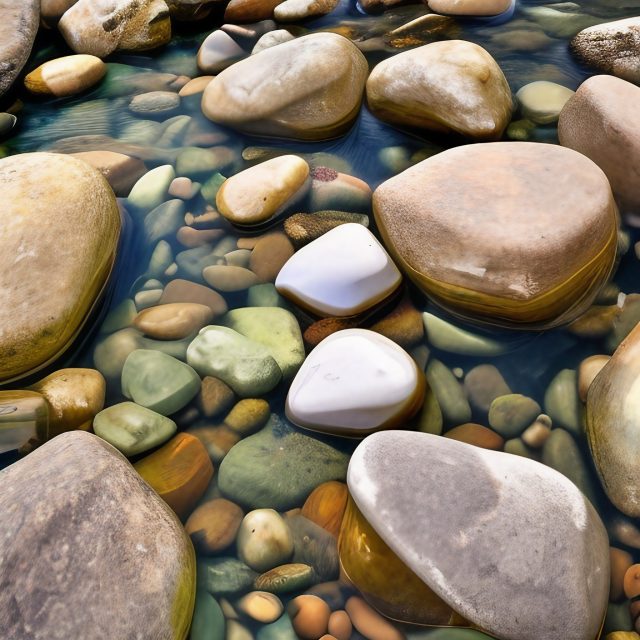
pixel 534 358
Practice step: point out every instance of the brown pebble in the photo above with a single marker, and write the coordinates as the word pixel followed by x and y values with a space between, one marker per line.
pixel 321 329
pixel 483 385
pixel 213 525
pixel 619 562
pixel 195 85
pixel 326 504
pixel 538 432
pixel 269 256
pixel 249 10
pixel 173 321
pixel 302 228
pixel 596 322
pixel 477 435
pixel 631 581
pixel 340 626
pixel 190 237
pixel 369 622
pixel 215 396
pixel 587 371
pixel 216 440
pixel 309 616
pixel 249 242
pixel 403 325
pixel 121 171
pixel 179 290
pixel 248 415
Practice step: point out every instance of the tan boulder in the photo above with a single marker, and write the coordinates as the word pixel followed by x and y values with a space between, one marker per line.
pixel 601 122
pixel 510 233
pixel 449 86
pixel 100 27
pixel 66 76
pixel 60 231
pixel 308 88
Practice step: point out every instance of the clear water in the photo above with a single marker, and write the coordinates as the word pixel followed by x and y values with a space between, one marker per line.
pixel 534 358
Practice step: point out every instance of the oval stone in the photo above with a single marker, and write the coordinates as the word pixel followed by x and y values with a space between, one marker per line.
pixel 527 238
pixel 66 76
pixel 308 88
pixel 52 285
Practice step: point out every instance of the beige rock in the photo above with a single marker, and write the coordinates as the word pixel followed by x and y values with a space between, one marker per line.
pixel 66 76
pixel 228 278
pixel 308 88
pixel 613 410
pixel 470 7
pixel 173 321
pixel 18 28
pixel 186 291
pixel 448 86
pixel 587 371
pixel 52 10
pixel 120 170
pixel 292 10
pixel 601 122
pixel 261 606
pixel 100 27
pixel 527 237
pixel 196 85
pixel 52 285
pixel 259 193
pixel 369 622
pixel 542 101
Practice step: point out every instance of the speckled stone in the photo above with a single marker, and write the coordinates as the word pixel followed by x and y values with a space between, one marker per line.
pixel 18 28
pixel 478 548
pixel 99 566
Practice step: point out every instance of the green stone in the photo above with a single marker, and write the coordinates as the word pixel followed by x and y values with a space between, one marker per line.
pixel 210 188
pixel 224 576
pixel 279 467
pixel 120 317
pixel 161 259
pixel 158 381
pixel 561 402
pixel 131 428
pixel 208 621
pixel 447 337
pixel 285 578
pixel 197 163
pixel 275 328
pixel 449 393
pixel 265 295
pixel 164 220
pixel 511 414
pixel 191 262
pixel 246 366
pixel 151 190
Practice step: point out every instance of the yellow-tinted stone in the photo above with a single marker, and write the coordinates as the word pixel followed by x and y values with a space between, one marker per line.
pixel 66 76
pixel 24 419
pixel 53 268
pixel 326 504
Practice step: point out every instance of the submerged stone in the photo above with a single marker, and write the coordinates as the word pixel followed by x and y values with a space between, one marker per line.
pixel 24 418
pixel 51 287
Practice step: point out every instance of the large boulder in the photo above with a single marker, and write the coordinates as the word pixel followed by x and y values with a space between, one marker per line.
pixel 307 88
pixel 100 27
pixel 613 425
pixel 511 233
pixel 612 47
pixel 601 122
pixel 496 540
pixel 88 549
pixel 449 86
pixel 60 230
pixel 18 28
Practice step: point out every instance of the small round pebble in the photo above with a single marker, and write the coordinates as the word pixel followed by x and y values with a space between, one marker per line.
pixel 369 622
pixel 309 616
pixel 510 415
pixel 476 434
pixel 264 540
pixel 631 581
pixel 340 626
pixel 538 432
pixel 620 561
pixel 248 415
pixel 214 524
pixel 261 606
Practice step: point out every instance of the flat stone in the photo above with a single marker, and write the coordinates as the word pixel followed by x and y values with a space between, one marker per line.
pixel 208 618
pixel 303 228
pixel 448 392
pixel 269 256
pixel 52 286
pixel 133 429
pixel 612 423
pixel 218 51
pixel 510 415
pixel 180 290
pixel 151 190
pixel 514 272
pixel 24 420
pixel 164 220
pixel 120 170
pixel 173 321
pixel 449 337
pixel 155 104
pixel 344 272
pixel 261 606
pixel 259 193
pixel 238 11
pixel 611 47
pixel 561 401
pixel 159 382
pixel 247 416
pixel 449 86
pixel 287 91
pixel 285 578
pixel 599 121
pixel 228 278
pixel 100 27
pixel 353 383
pixel 275 328
pixel 224 576
pixel 293 10
pixel 246 366
pixel 66 76
pixel 478 549
pixel 94 572
pixel 19 25
pixel 478 8
pixel 279 467
pixel 542 101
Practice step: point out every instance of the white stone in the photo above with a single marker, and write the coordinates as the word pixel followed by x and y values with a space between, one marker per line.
pixel 342 273
pixel 542 101
pixel 264 540
pixel 508 543
pixel 354 382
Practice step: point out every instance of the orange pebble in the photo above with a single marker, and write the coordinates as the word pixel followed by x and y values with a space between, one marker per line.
pixel 340 625
pixel 632 581
pixel 620 561
pixel 477 435
pixel 309 616
pixel 326 504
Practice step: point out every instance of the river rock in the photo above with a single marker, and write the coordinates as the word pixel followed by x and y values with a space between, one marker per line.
pixel 611 47
pixel 179 290
pixel 133 429
pixel 224 576
pixel 542 101
pixel 449 86
pixel 52 286
pixel 120 170
pixel 325 506
pixel 269 256
pixel 303 228
pixel 264 540
pixel 229 278
pixel 100 27
pixel 309 616
pixel 353 383
pixel 344 272
pixel 130 553
pixel 261 606
pixel 286 91
pixel 285 578
pixel 218 51
pixel 246 366
pixel 450 543
pixel 66 76
pixel 506 277
pixel 599 121
pixel 479 8
pixel 19 25
pixel 279 467
pixel 155 104
pixel 208 618
pixel 24 420
pixel 510 415
pixel 52 10
pixel 612 424
pixel 213 526
pixel 293 10
pixel 173 321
